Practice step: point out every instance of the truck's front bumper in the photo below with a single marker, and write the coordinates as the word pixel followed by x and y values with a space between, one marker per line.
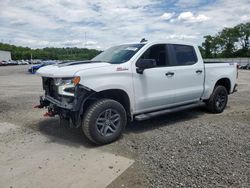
pixel 67 107
pixel 58 103
pixel 66 102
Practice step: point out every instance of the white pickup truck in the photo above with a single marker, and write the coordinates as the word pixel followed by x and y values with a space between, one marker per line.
pixel 134 82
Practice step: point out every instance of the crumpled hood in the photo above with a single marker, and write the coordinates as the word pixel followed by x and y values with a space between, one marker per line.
pixel 68 69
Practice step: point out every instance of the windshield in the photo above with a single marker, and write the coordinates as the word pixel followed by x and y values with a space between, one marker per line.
pixel 118 54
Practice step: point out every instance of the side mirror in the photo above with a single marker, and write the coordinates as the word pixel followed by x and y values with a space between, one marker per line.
pixel 143 64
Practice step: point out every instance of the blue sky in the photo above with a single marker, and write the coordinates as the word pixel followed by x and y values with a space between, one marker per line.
pixel 63 23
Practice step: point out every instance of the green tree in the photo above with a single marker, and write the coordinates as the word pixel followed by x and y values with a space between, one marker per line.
pixel 207 46
pixel 230 42
pixel 243 33
pixel 227 39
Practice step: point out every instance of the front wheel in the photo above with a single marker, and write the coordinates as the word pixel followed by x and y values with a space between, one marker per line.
pixel 104 121
pixel 218 100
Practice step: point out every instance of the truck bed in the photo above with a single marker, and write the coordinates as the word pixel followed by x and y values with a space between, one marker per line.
pixel 218 70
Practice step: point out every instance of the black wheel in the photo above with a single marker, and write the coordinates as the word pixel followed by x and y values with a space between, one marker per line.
pixel 218 100
pixel 104 121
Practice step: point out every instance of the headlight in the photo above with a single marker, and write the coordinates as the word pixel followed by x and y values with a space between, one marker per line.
pixel 63 81
pixel 65 86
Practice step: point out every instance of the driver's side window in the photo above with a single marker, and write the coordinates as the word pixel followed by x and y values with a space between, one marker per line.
pixel 158 53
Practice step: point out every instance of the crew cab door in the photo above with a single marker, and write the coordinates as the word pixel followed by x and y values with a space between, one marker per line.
pixel 154 88
pixel 188 71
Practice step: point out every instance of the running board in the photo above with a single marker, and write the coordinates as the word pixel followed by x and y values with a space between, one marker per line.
pixel 149 115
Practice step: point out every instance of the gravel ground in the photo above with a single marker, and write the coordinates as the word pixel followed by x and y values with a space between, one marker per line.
pixel 186 149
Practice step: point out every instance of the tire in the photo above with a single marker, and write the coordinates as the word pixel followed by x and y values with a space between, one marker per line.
pixel 104 121
pixel 218 100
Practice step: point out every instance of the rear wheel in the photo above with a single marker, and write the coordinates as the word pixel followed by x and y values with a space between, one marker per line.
pixel 218 100
pixel 104 121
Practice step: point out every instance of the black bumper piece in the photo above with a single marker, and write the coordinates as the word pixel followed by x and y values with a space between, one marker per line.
pixel 68 107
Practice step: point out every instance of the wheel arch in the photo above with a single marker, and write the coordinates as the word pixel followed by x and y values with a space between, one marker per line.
pixel 224 82
pixel 118 95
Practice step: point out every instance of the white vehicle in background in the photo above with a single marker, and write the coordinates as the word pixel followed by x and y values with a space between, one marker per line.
pixel 36 61
pixel 23 62
pixel 12 62
pixel 134 82
pixel 19 62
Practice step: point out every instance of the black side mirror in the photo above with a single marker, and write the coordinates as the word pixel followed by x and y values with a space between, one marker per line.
pixel 143 64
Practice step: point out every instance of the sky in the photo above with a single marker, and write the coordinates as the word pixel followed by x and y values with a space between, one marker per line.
pixel 99 24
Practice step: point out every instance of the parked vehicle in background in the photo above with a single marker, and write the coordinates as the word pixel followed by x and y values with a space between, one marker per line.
pixel 240 66
pixel 3 63
pixel 134 82
pixel 36 61
pixel 34 68
pixel 20 62
pixel 12 62
pixel 23 62
pixel 247 66
pixel 27 62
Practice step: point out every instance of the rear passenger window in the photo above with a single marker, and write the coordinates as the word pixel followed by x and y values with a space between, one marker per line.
pixel 184 55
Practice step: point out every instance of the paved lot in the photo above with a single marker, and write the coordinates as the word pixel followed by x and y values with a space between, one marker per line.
pixel 186 149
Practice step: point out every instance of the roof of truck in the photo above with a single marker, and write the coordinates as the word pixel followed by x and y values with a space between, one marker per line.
pixel 164 42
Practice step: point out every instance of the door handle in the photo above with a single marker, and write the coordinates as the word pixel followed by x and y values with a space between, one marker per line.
pixel 169 74
pixel 198 71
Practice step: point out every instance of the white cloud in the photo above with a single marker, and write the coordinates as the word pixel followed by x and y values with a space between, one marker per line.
pixel 73 43
pixel 91 43
pixel 167 16
pixel 181 36
pixel 190 17
pixel 63 23
pixel 245 18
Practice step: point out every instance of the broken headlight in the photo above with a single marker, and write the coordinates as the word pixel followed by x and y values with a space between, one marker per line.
pixel 67 81
pixel 63 81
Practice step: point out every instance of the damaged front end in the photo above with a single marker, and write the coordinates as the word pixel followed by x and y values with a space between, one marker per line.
pixel 64 97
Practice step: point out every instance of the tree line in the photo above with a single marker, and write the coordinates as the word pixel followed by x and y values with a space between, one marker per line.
pixel 18 53
pixel 228 43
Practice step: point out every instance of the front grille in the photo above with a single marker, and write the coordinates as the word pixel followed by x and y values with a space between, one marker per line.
pixel 50 87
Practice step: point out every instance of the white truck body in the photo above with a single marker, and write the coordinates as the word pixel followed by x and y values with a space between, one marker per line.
pixel 151 90
pixel 134 81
